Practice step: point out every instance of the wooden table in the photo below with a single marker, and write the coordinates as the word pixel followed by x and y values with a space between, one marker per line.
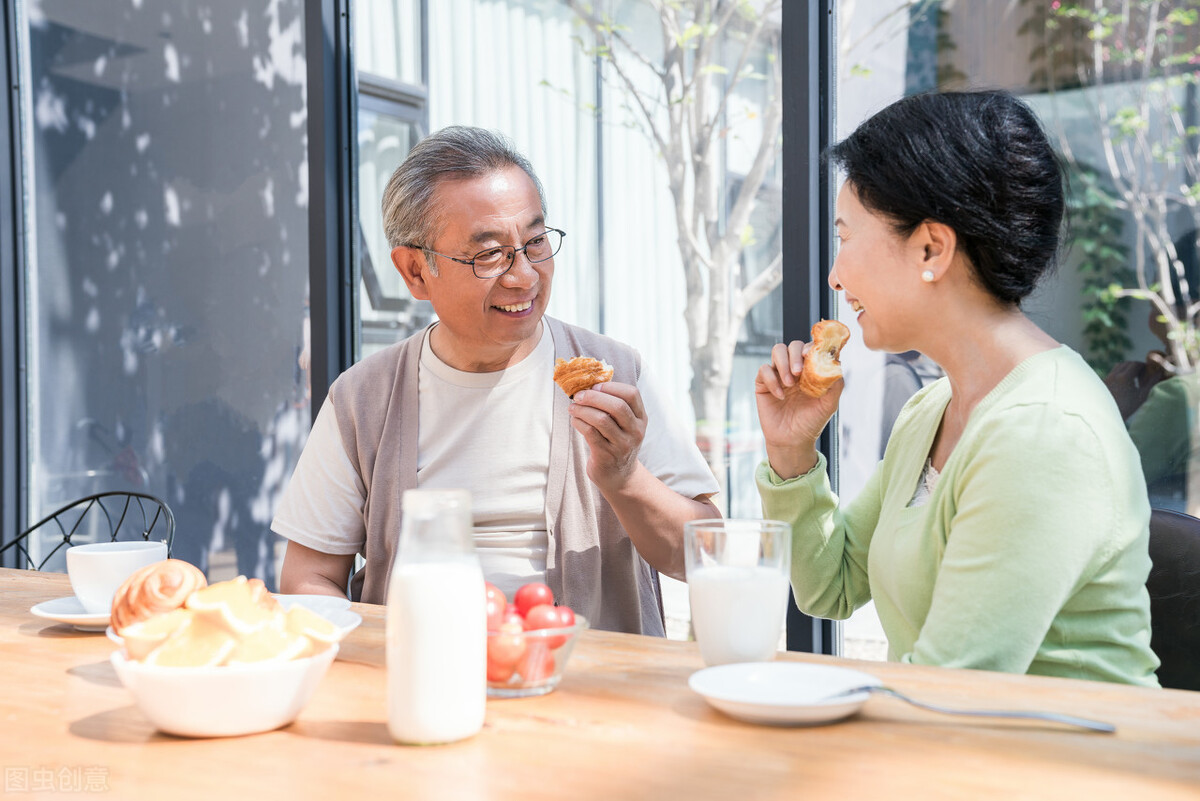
pixel 622 725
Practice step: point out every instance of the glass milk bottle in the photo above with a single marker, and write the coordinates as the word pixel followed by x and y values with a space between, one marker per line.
pixel 436 623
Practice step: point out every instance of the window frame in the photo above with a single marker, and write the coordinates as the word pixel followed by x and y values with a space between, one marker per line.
pixel 334 92
pixel 809 31
pixel 13 435
pixel 332 206
pixel 407 103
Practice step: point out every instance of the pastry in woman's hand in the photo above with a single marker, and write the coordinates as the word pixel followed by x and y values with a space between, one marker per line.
pixel 155 588
pixel 580 373
pixel 821 365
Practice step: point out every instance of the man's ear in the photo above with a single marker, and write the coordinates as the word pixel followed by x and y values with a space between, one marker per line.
pixel 411 264
pixel 938 244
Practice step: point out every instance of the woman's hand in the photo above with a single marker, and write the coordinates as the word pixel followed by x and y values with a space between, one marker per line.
pixel 791 420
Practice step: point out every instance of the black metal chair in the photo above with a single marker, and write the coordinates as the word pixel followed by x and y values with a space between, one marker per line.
pixel 1174 586
pixel 106 516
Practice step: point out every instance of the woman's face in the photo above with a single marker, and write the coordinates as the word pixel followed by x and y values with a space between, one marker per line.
pixel 880 273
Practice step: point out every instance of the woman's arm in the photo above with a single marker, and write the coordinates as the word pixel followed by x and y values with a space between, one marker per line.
pixel 829 544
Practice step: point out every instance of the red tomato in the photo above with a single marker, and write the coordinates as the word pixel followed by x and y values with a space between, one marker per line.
pixel 504 649
pixel 537 664
pixel 544 616
pixel 532 595
pixel 496 604
pixel 499 673
pixel 566 616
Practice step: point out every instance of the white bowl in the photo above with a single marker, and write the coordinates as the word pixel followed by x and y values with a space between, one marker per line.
pixel 223 701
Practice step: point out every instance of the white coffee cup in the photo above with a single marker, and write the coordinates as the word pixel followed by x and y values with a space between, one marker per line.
pixel 98 569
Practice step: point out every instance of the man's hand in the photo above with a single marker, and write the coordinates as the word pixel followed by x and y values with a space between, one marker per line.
pixel 612 418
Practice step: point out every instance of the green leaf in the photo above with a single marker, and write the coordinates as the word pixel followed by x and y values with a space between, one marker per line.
pixel 689 33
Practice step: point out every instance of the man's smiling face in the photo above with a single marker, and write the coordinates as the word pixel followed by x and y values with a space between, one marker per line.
pixel 486 324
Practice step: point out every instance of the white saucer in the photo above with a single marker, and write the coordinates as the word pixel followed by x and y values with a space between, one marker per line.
pixel 782 693
pixel 70 610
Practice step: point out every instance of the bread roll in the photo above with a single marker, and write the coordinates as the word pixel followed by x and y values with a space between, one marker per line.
pixel 580 373
pixel 821 365
pixel 155 588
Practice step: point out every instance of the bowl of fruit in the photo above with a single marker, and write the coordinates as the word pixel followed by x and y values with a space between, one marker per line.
pixel 529 641
pixel 228 660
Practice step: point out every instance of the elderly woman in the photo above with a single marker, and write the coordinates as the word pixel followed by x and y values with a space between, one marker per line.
pixel 1006 526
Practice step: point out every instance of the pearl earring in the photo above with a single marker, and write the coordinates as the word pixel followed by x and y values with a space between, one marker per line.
pixel 927 276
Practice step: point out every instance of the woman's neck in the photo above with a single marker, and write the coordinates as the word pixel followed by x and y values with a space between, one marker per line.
pixel 985 347
pixel 976 354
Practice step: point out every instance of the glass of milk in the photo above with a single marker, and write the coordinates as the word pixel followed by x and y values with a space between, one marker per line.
pixel 738 581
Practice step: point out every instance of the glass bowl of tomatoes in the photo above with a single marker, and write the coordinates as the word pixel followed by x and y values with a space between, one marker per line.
pixel 529 642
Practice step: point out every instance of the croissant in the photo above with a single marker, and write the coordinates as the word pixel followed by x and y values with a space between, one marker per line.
pixel 821 365
pixel 580 373
pixel 155 588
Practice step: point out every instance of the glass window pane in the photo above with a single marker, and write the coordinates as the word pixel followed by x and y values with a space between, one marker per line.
pixel 1124 119
pixel 387 39
pixel 388 312
pixel 167 265
pixel 622 270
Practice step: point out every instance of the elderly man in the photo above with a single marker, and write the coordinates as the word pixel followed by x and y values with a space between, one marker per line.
pixel 588 495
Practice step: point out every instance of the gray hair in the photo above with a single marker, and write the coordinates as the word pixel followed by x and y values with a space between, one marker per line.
pixel 409 215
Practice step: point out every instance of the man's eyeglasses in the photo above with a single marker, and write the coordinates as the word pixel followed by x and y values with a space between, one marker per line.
pixel 494 262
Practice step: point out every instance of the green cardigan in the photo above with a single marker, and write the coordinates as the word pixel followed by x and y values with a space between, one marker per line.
pixel 1029 557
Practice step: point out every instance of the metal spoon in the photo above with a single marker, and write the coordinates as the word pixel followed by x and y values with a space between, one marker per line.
pixel 1054 717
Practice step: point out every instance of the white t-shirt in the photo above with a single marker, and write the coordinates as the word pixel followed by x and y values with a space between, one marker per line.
pixel 490 433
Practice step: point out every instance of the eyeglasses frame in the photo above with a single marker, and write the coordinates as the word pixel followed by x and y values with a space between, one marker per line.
pixel 523 249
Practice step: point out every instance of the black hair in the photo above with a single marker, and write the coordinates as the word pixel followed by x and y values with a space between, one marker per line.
pixel 978 162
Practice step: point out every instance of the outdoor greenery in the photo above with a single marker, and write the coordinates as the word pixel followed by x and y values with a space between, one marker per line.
pixel 1096 231
pixel 1136 64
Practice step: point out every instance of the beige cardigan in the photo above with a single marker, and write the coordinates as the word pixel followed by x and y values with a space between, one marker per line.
pixel 591 564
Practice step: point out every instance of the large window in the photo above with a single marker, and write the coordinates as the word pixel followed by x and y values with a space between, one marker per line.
pixel 166 262
pixel 1115 88
pixel 573 105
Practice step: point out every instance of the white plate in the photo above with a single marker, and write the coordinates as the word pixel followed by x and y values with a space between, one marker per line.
pixel 782 693
pixel 335 610
pixel 344 619
pixel 70 610
pixel 321 604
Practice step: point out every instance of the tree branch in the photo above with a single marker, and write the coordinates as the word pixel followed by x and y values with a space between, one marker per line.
pixel 758 288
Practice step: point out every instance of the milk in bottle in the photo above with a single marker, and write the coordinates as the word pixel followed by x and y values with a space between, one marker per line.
pixel 436 623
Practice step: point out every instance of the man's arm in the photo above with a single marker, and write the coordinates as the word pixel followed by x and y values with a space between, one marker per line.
pixel 309 572
pixel 653 514
pixel 612 418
